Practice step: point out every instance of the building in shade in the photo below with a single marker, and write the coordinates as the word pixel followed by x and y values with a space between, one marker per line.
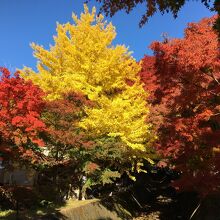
pixel 13 173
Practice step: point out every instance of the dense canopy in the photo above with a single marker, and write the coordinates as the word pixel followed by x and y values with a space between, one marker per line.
pixel 185 87
pixel 91 116
pixel 84 60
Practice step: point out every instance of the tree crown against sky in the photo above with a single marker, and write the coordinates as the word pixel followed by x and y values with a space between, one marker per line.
pixel 84 60
pixel 183 77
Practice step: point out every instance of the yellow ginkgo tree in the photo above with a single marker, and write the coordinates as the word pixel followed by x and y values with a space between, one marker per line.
pixel 83 59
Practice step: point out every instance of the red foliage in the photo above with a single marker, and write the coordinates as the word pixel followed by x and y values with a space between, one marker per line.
pixel 21 104
pixel 186 90
pixel 152 86
pixel 91 167
pixel 62 117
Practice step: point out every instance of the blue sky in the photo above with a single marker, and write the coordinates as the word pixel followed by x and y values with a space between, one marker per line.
pixel 26 21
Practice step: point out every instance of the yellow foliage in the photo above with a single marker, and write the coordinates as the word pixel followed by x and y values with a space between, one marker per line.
pixel 83 59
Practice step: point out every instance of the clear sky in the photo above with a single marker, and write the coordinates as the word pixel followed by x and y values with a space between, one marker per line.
pixel 26 21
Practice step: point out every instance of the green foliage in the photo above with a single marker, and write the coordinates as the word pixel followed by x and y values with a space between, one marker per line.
pixel 108 176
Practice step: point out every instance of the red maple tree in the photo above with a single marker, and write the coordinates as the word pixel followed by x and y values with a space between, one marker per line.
pixel 186 90
pixel 21 104
pixel 62 117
